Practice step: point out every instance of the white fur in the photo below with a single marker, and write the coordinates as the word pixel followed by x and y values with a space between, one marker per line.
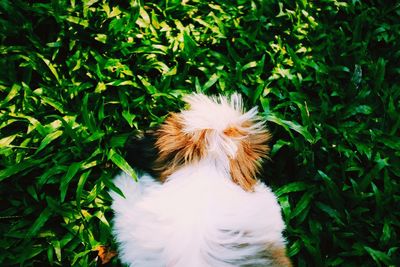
pixel 198 217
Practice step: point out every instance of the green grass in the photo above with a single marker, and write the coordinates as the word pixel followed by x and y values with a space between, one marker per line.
pixel 78 78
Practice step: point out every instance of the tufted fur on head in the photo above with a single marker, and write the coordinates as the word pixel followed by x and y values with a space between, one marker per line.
pixel 216 129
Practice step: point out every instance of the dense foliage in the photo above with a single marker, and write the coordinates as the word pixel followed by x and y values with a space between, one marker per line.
pixel 78 78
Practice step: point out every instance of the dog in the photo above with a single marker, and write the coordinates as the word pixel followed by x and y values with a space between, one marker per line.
pixel 202 205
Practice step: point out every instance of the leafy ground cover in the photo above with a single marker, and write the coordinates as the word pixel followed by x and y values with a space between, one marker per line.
pixel 78 78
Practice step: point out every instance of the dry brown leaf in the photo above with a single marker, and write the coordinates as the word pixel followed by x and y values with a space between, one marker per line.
pixel 105 254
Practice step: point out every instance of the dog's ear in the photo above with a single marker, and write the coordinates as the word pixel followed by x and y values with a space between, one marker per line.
pixel 177 147
pixel 252 148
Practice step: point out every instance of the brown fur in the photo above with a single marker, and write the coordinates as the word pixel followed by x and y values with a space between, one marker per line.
pixel 278 256
pixel 252 148
pixel 177 148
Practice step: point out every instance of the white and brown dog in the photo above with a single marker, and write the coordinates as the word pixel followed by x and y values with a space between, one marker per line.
pixel 207 208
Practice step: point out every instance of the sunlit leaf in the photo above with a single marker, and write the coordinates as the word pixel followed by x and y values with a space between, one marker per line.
pixel 121 163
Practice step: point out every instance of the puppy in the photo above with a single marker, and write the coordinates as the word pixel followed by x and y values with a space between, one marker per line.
pixel 206 207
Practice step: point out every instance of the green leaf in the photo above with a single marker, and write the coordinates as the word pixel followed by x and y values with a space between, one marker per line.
pixel 79 256
pixel 121 163
pixel 55 104
pixel 380 69
pixel 78 21
pixel 294 248
pixel 378 256
pixel 57 249
pixel 48 139
pixel 39 222
pixel 6 141
pixel 211 81
pixel 100 215
pixel 144 16
pixel 278 145
pixel 88 116
pixel 330 212
pixel 332 189
pixel 303 204
pixel 20 167
pixel 291 125
pixel 72 171
pixel 30 253
pixel 95 136
pixel 13 92
pixel 292 187
pixel 108 182
pixel 190 46
pixel 128 117
pixel 249 65
pixel 360 109
pixel 50 66
pixel 79 189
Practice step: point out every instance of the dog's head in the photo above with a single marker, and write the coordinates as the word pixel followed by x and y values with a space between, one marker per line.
pixel 215 129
